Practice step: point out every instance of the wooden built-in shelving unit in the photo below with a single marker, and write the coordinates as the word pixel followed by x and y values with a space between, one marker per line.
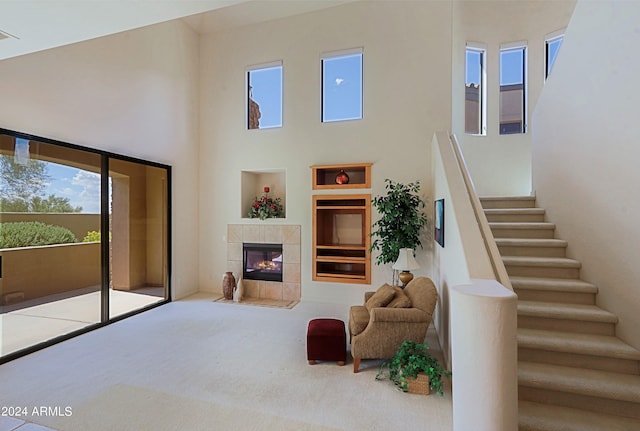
pixel 341 226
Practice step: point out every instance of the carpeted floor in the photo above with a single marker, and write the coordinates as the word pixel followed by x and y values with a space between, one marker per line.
pixel 131 402
pixel 203 365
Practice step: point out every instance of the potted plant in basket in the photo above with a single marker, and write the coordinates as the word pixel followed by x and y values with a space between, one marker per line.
pixel 411 363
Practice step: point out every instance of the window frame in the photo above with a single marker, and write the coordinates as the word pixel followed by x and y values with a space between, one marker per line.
pixel 482 49
pixel 514 46
pixel 548 39
pixel 247 74
pixel 332 55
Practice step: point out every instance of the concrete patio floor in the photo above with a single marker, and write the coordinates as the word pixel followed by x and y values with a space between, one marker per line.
pixel 31 322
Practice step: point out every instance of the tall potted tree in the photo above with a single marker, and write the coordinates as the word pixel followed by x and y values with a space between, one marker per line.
pixel 402 219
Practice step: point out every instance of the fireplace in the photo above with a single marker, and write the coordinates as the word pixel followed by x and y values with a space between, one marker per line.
pixel 262 261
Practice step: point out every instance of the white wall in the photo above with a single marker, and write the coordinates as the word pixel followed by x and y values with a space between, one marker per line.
pixel 133 93
pixel 501 164
pixel 585 152
pixel 407 69
pixel 484 337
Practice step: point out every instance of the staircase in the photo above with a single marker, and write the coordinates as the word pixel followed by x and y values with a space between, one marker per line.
pixel 574 374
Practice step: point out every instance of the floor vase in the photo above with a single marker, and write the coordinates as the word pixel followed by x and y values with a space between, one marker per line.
pixel 228 285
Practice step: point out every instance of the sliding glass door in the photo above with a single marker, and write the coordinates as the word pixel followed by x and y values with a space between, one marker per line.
pixel 138 249
pixel 84 239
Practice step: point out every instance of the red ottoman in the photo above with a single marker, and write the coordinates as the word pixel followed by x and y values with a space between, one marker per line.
pixel 326 341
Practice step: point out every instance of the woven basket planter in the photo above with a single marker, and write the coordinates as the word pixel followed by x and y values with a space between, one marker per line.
pixel 418 385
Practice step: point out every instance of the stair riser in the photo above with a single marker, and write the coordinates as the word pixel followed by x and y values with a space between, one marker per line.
pixel 553 296
pixel 506 250
pixel 529 427
pixel 515 218
pixel 541 417
pixel 615 365
pixel 543 271
pixel 578 401
pixel 508 203
pixel 565 325
pixel 523 233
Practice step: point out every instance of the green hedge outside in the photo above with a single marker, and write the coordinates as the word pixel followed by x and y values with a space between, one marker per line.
pixel 33 233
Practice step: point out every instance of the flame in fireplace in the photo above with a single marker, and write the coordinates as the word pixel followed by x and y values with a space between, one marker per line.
pixel 267 265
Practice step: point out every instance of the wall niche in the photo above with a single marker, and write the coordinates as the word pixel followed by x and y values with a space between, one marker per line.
pixel 253 183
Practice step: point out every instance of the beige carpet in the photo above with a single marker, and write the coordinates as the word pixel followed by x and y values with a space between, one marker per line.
pixel 203 365
pixel 107 410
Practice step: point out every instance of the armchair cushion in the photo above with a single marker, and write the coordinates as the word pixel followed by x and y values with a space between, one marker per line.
pixel 358 319
pixel 423 294
pixel 381 298
pixel 400 300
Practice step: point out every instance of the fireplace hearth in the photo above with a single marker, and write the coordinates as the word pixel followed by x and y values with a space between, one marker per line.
pixel 262 261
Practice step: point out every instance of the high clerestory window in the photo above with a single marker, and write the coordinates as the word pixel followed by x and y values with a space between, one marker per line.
pixel 342 85
pixel 475 90
pixel 552 45
pixel 513 88
pixel 264 96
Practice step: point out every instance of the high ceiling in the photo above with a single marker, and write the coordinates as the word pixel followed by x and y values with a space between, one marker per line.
pixel 28 26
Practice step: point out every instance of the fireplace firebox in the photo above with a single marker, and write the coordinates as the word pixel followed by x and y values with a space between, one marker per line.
pixel 262 261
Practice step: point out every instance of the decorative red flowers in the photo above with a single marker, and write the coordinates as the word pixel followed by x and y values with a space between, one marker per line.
pixel 266 207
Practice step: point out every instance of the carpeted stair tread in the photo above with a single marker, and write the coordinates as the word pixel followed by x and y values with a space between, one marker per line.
pixel 571 342
pixel 507 198
pixel 509 202
pixel 531 242
pixel 553 284
pixel 545 417
pixel 505 211
pixel 522 225
pixel 558 262
pixel 565 311
pixel 581 381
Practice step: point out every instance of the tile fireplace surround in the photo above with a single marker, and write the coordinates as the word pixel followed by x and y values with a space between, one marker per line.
pixel 289 237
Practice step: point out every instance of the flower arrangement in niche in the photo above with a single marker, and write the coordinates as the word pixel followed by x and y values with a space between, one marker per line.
pixel 266 207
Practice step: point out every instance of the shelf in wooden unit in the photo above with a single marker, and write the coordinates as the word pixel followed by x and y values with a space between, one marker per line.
pixel 324 176
pixel 332 276
pixel 339 259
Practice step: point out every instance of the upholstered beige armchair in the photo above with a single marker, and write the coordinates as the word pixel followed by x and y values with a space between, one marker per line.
pixel 390 316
